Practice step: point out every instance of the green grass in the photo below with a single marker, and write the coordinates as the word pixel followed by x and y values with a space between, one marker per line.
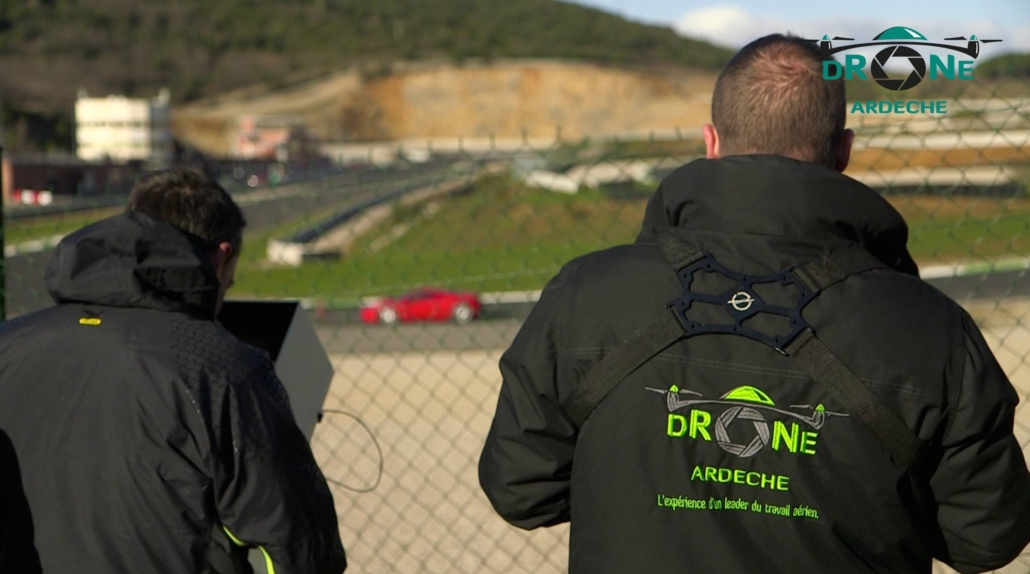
pixel 965 228
pixel 506 236
pixel 33 228
pixel 973 238
pixel 502 236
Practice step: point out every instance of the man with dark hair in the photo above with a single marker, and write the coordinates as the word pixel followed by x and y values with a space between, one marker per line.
pixel 761 383
pixel 149 438
pixel 193 202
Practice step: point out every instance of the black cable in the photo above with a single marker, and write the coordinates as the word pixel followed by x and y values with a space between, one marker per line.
pixel 379 450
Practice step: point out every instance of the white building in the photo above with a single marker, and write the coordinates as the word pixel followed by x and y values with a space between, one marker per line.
pixel 123 129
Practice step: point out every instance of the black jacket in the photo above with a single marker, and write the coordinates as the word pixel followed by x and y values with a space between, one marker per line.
pixel 143 428
pixel 17 551
pixel 661 477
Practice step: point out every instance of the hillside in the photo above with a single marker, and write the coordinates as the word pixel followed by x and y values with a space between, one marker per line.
pixel 506 98
pixel 1006 66
pixel 48 48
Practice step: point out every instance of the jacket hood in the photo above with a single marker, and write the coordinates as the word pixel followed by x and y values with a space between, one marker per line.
pixel 773 195
pixel 132 260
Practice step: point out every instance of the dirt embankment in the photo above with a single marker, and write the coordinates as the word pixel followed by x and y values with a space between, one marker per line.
pixel 506 99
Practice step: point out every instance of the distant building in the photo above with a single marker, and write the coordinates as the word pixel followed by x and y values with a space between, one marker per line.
pixel 26 175
pixel 123 129
pixel 275 138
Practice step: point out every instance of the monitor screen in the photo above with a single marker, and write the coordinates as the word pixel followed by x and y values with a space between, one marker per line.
pixel 263 324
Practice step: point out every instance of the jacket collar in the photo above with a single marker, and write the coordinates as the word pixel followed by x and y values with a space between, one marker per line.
pixel 778 196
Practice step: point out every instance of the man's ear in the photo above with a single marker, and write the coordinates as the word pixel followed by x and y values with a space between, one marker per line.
pixel 711 141
pixel 844 151
pixel 221 254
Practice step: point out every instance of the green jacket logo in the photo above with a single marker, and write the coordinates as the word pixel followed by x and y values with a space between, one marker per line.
pixel 792 431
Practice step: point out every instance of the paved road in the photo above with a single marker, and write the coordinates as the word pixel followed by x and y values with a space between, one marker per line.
pixel 992 286
pixel 341 333
pixel 362 339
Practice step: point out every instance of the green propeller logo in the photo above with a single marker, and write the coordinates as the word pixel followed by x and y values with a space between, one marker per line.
pixel 793 429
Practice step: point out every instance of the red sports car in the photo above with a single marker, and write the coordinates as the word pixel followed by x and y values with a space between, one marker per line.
pixel 424 305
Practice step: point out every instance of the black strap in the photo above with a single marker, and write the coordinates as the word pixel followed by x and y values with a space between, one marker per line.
pixel 836 266
pixel 816 358
pixel 850 392
pixel 640 348
pixel 679 253
pixel 618 364
pixel 826 368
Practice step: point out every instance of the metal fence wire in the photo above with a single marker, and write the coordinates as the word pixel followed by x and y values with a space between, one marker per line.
pixel 411 402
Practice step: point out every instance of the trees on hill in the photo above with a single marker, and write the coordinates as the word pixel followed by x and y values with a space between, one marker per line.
pixel 198 47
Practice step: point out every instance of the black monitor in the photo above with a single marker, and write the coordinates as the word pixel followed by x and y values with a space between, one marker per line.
pixel 283 330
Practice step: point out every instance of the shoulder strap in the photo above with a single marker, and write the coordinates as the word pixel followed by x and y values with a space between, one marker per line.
pixel 602 379
pixel 826 368
pixel 815 357
pixel 640 348
pixel 849 391
pixel 836 266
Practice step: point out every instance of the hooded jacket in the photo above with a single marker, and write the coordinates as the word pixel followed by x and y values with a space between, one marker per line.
pixel 721 454
pixel 144 431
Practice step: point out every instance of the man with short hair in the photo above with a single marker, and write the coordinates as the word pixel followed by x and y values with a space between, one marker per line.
pixel 149 438
pixel 804 404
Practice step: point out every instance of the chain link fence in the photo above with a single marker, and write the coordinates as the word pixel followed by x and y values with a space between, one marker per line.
pixel 419 271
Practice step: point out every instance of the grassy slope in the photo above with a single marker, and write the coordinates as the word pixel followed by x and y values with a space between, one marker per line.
pixel 505 236
pixel 502 236
pixel 31 228
pixel 967 229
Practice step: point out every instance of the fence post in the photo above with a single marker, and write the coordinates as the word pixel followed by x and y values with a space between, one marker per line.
pixel 3 259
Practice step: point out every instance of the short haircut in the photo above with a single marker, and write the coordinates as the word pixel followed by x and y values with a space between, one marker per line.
pixel 192 201
pixel 771 98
